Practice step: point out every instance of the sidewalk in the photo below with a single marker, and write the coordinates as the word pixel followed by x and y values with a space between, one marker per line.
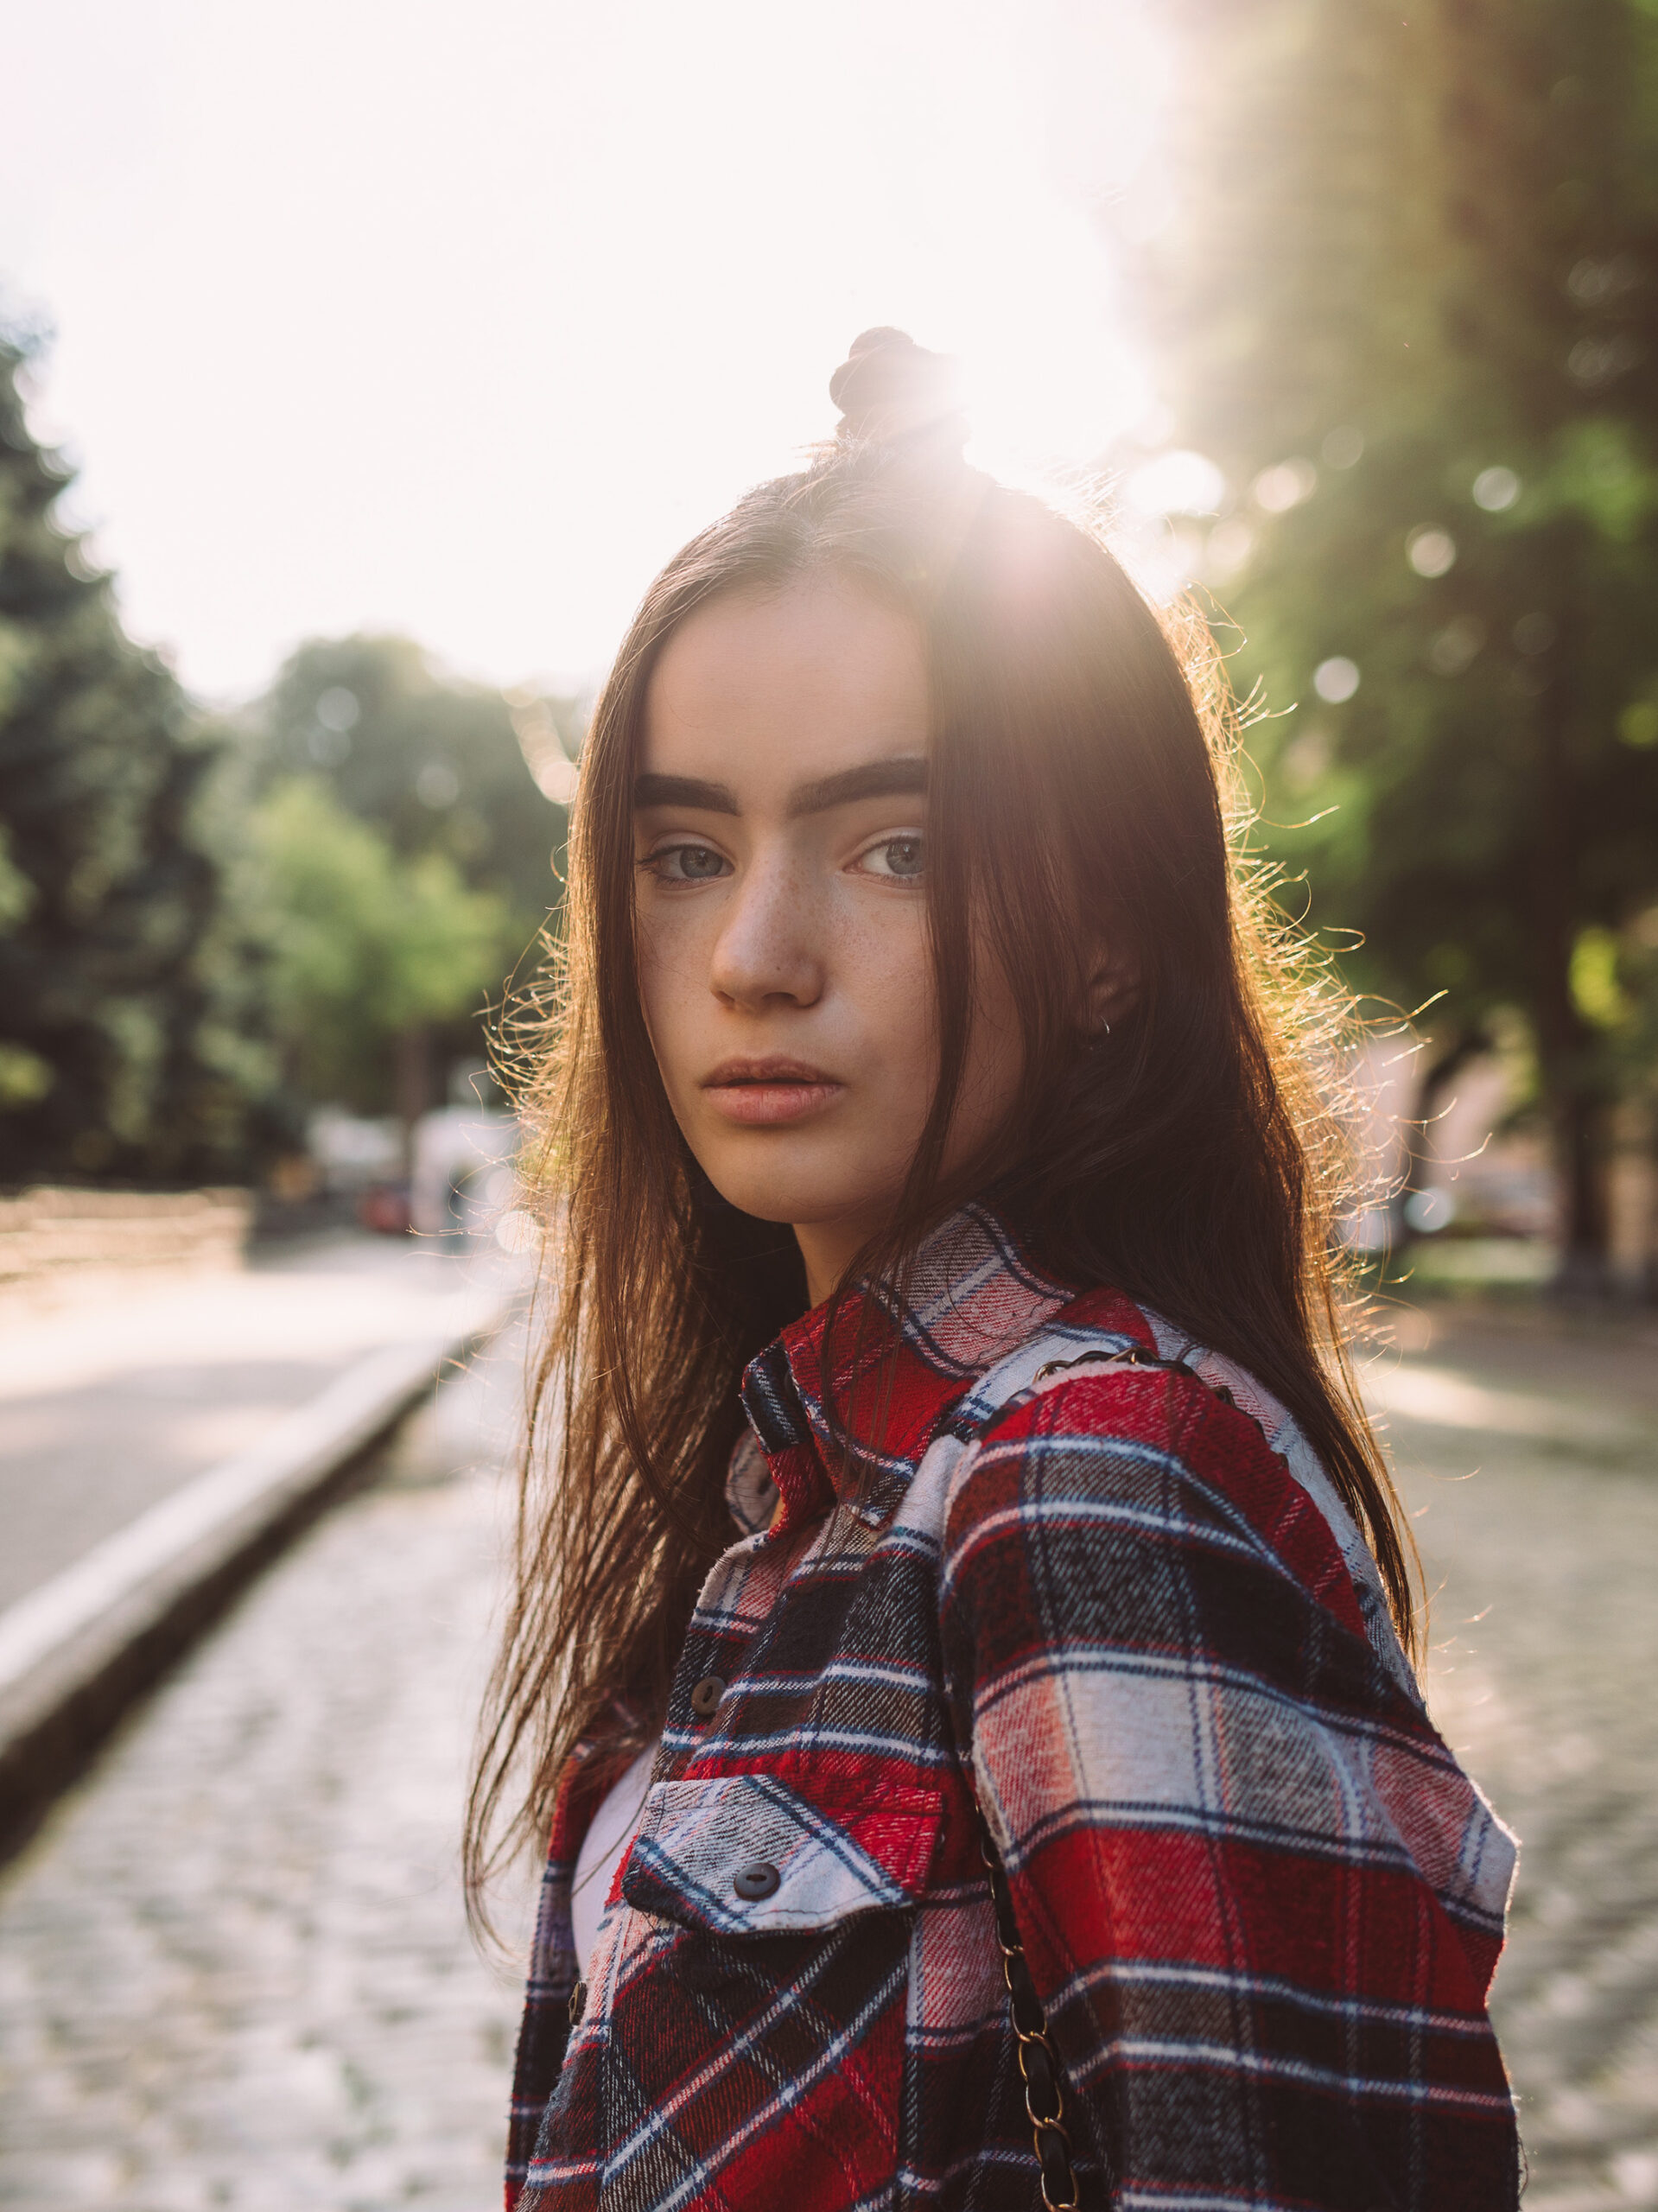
pixel 106 1407
pixel 163 1446
pixel 1599 1360
pixel 1525 1442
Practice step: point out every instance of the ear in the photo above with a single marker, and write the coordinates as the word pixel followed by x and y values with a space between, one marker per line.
pixel 1113 986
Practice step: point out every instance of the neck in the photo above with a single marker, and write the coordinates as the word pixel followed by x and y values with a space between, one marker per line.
pixel 829 1248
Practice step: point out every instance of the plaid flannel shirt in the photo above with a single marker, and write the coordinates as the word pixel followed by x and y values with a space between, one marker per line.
pixel 1124 1609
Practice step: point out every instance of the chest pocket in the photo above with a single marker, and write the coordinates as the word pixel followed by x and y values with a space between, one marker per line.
pixel 753 2049
pixel 751 1854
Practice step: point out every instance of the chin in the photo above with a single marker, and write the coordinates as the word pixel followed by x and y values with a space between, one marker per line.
pixel 798 1194
pixel 767 1200
pixel 759 1204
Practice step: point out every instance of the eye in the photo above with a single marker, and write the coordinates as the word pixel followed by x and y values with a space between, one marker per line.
pixel 688 864
pixel 900 859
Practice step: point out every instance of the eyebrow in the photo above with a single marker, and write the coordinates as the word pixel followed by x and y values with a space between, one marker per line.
pixel 685 790
pixel 875 779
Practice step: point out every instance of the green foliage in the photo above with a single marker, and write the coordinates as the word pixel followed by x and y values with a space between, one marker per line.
pixel 435 763
pixel 1410 305
pixel 1595 991
pixel 202 930
pixel 366 945
pixel 434 866
pixel 127 997
pixel 25 1077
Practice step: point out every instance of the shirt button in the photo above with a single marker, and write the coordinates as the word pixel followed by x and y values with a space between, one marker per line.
pixel 757 1881
pixel 706 1696
pixel 578 2002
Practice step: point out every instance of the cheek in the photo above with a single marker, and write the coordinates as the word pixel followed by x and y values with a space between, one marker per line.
pixel 887 973
pixel 673 983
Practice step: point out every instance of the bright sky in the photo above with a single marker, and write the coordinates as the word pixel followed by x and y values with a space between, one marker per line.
pixel 455 319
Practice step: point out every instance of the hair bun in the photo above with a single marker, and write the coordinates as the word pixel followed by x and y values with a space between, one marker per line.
pixel 890 391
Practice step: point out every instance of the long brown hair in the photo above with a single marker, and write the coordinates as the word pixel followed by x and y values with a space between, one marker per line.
pixel 1082 793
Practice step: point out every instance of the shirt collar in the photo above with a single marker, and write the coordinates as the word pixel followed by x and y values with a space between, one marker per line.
pixel 891 1368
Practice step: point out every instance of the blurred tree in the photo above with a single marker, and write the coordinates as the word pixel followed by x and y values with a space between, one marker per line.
pixel 435 763
pixel 1409 303
pixel 368 950
pixel 127 1001
pixel 438 767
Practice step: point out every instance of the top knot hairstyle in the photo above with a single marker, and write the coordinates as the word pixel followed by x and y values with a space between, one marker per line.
pixel 1081 794
pixel 892 392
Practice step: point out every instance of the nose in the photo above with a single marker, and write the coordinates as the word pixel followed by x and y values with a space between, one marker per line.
pixel 770 951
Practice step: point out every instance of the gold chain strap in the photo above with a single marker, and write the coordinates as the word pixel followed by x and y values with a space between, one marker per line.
pixel 1045 2098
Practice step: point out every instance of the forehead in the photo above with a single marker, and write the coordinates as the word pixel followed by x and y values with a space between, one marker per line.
pixel 815 678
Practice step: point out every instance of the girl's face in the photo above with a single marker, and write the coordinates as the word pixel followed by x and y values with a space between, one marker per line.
pixel 781 839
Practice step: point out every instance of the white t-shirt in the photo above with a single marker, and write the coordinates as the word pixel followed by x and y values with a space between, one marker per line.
pixel 603 1851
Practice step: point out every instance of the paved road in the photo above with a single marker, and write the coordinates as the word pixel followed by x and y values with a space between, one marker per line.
pixel 232 1967
pixel 105 1408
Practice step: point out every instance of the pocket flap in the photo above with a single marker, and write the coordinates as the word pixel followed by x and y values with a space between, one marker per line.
pixel 746 1852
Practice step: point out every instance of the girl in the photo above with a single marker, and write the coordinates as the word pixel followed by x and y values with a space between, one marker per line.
pixel 958 1638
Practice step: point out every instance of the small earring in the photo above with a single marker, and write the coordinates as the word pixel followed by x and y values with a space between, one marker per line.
pixel 1105 1026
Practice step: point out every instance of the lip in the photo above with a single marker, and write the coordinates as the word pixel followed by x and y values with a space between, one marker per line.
pixel 761 1093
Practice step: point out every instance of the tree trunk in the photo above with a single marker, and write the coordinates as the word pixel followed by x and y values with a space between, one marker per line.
pixel 1585 1268
pixel 1573 1084
pixel 1442 1067
pixel 414 1088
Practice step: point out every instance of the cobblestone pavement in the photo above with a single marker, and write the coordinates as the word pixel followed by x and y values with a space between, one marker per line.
pixel 1544 1677
pixel 233 1969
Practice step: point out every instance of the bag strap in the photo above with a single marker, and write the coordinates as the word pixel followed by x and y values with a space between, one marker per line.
pixel 1039 2064
pixel 1045 2096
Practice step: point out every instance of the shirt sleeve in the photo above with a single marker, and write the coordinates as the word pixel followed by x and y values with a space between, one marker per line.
pixel 1261 1902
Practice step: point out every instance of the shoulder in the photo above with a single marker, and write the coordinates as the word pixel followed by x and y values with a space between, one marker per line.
pixel 1111 1458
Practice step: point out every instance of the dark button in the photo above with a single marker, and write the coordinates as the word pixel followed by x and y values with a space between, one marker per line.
pixel 578 2002
pixel 757 1881
pixel 706 1696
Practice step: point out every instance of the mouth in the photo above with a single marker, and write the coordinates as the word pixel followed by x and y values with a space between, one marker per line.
pixel 767 1091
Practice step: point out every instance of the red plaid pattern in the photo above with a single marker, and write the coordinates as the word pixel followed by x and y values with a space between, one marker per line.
pixel 1261 1902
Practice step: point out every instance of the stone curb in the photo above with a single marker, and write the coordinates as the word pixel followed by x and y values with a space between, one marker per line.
pixel 78 1653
